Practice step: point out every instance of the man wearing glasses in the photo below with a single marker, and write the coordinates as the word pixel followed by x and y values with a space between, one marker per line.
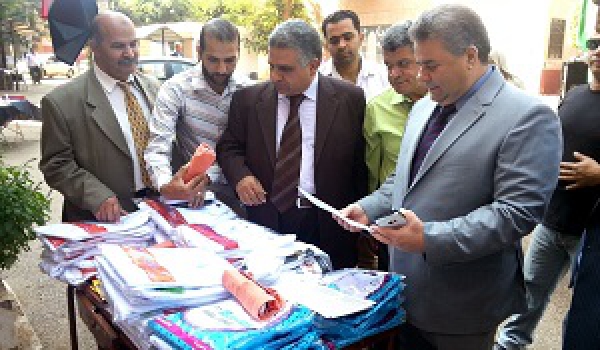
pixel 555 241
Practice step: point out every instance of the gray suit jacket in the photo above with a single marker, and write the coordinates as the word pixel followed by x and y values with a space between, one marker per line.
pixel 484 184
pixel 84 153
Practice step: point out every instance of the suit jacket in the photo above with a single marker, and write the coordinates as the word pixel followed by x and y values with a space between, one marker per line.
pixel 84 153
pixel 484 184
pixel 247 147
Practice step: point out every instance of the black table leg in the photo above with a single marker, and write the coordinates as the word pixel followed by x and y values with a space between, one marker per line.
pixel 72 316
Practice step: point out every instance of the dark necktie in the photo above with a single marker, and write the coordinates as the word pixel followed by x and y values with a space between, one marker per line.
pixel 287 166
pixel 436 124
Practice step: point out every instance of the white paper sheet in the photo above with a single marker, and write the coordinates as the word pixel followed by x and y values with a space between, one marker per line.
pixel 328 302
pixel 328 208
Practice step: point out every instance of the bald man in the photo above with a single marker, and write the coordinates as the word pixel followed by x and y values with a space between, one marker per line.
pixel 94 128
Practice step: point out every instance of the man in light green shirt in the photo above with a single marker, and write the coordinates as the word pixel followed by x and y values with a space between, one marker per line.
pixel 385 119
pixel 387 113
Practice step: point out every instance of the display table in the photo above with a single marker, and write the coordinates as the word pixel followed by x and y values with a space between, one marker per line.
pixel 94 313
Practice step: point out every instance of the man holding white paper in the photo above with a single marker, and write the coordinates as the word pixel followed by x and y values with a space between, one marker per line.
pixel 476 169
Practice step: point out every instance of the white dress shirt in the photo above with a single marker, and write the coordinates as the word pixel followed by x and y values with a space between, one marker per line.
pixel 307 113
pixel 372 78
pixel 116 97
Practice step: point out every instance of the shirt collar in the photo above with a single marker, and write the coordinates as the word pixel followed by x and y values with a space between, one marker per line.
pixel 198 81
pixel 367 68
pixel 107 82
pixel 310 92
pixel 397 98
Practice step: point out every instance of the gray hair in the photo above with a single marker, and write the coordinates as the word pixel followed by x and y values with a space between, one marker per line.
pixel 456 26
pixel 299 35
pixel 396 37
pixel 220 29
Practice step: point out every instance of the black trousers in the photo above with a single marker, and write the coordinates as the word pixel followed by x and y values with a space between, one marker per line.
pixel 582 324
pixel 301 222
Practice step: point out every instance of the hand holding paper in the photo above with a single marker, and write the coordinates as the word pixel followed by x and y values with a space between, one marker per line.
pixel 338 215
pixel 202 159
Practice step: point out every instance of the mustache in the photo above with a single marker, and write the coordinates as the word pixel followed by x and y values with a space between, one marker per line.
pixel 127 61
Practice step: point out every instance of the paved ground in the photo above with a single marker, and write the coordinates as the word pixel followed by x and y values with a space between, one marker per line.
pixel 44 301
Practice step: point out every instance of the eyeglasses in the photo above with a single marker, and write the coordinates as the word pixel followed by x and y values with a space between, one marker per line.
pixel 592 44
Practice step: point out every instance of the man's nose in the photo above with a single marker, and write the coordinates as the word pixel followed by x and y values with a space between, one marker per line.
pixel 422 75
pixel 222 67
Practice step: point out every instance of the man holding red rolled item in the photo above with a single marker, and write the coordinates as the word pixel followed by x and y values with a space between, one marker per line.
pixel 191 109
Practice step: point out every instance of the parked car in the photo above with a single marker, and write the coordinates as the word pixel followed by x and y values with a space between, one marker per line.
pixel 164 68
pixel 53 67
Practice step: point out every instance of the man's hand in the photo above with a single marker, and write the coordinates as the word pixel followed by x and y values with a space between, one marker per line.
pixel 251 191
pixel 409 238
pixel 110 210
pixel 353 212
pixel 584 172
pixel 193 191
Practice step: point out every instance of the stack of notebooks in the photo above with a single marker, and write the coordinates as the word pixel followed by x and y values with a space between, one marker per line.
pixel 384 289
pixel 70 248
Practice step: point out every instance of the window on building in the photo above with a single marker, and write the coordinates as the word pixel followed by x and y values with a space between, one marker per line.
pixel 557 38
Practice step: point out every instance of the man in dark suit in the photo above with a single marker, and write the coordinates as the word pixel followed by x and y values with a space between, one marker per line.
pixel 90 145
pixel 300 129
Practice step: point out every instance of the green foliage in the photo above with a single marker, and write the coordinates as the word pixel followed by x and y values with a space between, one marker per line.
pixel 144 12
pixel 259 17
pixel 22 206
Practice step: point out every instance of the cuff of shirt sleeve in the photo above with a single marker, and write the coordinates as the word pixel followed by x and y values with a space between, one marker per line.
pixel 162 179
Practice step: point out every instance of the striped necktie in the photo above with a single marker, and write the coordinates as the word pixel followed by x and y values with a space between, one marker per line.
pixel 287 166
pixel 139 130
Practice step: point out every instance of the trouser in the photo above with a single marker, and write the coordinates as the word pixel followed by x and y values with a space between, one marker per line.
pixel 582 325
pixel 547 260
pixel 413 338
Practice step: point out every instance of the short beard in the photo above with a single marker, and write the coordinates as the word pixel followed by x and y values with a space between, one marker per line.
pixel 208 76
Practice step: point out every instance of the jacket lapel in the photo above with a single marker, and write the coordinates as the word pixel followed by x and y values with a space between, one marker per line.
pixel 469 114
pixel 102 112
pixel 266 113
pixel 147 90
pixel 327 104
pixel 417 121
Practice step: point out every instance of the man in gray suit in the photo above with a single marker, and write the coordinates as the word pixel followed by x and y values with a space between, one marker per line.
pixel 89 147
pixel 476 168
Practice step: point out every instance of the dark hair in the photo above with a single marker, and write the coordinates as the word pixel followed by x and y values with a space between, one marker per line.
pixel 220 29
pixel 396 37
pixel 456 26
pixel 338 16
pixel 299 35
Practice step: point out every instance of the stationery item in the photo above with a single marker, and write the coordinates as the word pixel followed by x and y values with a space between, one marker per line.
pixel 203 236
pixel 328 208
pixel 202 159
pixel 259 302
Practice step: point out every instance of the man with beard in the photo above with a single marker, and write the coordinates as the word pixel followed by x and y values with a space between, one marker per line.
pixel 191 109
pixel 343 39
pixel 95 128
pixel 385 119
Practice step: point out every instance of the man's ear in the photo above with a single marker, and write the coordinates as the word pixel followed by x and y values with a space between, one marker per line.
pixel 472 55
pixel 314 65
